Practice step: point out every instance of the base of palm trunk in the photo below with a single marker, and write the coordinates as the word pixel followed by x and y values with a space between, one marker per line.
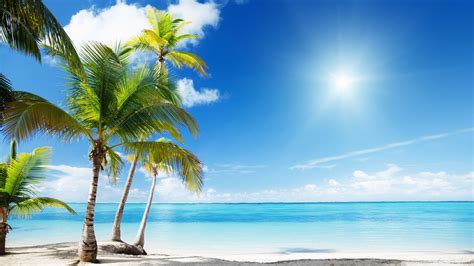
pixel 119 247
pixel 88 253
pixel 3 237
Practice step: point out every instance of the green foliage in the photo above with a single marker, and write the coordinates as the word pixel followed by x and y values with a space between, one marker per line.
pixel 18 178
pixel 26 24
pixel 163 155
pixel 109 103
pixel 163 39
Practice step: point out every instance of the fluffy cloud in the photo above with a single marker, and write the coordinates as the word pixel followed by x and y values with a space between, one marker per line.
pixel 121 21
pixel 386 185
pixel 201 15
pixel 191 97
pixel 110 25
pixel 71 184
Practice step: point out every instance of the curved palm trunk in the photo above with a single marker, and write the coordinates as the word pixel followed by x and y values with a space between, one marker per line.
pixel 88 244
pixel 123 200
pixel 140 239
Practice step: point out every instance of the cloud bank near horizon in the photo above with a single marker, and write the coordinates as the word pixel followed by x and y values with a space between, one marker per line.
pixel 390 184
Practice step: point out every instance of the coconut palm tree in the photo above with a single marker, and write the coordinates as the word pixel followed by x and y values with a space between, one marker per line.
pixel 171 159
pixel 26 24
pixel 163 40
pixel 18 196
pixel 111 106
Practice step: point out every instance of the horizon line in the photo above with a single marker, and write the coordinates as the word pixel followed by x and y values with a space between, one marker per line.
pixel 287 202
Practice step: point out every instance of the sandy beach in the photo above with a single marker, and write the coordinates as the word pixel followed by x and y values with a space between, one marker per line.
pixel 66 254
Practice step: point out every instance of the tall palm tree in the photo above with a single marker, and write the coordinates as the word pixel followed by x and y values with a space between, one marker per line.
pixel 172 159
pixel 163 40
pixel 110 106
pixel 18 196
pixel 26 24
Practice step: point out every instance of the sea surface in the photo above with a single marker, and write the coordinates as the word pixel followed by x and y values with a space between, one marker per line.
pixel 269 227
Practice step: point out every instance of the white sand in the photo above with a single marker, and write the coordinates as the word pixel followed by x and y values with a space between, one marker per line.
pixel 65 253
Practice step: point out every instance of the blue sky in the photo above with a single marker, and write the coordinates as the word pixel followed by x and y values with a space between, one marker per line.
pixel 306 100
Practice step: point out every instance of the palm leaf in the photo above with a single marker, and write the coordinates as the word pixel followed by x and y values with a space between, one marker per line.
pixel 113 164
pixel 173 157
pixel 24 24
pixel 26 207
pixel 24 172
pixel 180 59
pixel 30 114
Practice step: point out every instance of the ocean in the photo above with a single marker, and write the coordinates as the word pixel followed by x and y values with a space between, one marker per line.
pixel 268 227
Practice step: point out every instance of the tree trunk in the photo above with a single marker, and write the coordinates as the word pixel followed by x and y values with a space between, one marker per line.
pixel 88 244
pixel 123 200
pixel 140 239
pixel 161 67
pixel 3 237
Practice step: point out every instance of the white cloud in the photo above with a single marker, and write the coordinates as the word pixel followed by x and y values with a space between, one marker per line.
pixel 122 21
pixel 317 162
pixel 71 184
pixel 333 183
pixel 192 97
pixel 386 185
pixel 200 15
pixel 116 23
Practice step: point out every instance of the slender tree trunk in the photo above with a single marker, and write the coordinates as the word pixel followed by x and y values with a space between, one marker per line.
pixel 88 244
pixel 140 239
pixel 3 237
pixel 161 65
pixel 123 200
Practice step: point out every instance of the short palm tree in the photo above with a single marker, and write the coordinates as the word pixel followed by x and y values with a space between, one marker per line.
pixel 163 39
pixel 171 159
pixel 26 24
pixel 18 196
pixel 109 105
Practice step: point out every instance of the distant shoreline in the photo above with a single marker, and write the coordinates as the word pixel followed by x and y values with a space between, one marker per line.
pixel 293 202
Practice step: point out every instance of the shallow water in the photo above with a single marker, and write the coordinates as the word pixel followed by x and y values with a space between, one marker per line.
pixel 278 228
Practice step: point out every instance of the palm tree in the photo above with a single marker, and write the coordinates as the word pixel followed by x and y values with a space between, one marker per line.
pixel 171 159
pixel 18 196
pixel 26 24
pixel 110 106
pixel 163 39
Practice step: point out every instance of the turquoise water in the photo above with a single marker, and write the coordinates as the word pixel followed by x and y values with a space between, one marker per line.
pixel 276 227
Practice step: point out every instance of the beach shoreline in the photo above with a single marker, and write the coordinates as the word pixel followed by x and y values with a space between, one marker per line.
pixel 66 254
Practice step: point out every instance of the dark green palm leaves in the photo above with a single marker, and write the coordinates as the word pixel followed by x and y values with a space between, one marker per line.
pixel 26 24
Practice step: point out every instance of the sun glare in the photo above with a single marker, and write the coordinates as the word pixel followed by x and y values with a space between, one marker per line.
pixel 343 81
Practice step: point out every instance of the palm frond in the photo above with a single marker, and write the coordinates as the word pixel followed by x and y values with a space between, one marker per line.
pixel 27 170
pixel 25 208
pixel 24 24
pixel 172 157
pixel 180 59
pixel 30 113
pixel 6 91
pixel 144 121
pixel 113 164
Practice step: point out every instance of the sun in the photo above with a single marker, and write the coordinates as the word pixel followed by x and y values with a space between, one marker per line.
pixel 343 83
pixel 343 80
